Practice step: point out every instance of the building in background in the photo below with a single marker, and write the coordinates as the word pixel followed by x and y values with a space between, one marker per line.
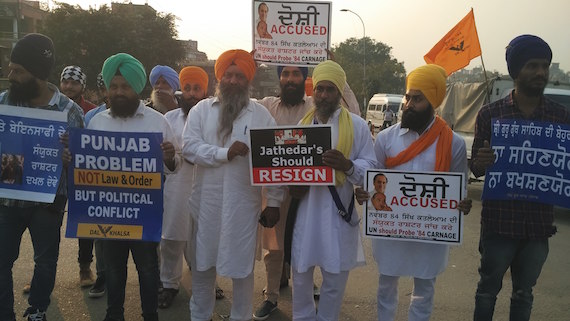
pixel 17 18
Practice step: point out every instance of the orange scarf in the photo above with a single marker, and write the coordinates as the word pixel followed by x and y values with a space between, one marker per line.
pixel 442 151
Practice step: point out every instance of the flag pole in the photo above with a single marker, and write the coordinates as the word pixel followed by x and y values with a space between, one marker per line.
pixel 482 62
pixel 486 79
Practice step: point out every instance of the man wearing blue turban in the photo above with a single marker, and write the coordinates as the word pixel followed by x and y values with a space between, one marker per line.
pixel 164 81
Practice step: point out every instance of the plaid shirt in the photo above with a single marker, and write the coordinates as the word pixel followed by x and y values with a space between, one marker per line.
pixel 74 119
pixel 517 219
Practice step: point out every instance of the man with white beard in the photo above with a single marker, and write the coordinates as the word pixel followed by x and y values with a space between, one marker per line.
pixel 164 82
pixel 225 206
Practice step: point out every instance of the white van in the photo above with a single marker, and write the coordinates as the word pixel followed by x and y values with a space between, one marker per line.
pixel 378 104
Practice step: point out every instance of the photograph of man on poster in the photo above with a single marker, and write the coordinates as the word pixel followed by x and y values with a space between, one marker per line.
pixel 261 28
pixel 378 199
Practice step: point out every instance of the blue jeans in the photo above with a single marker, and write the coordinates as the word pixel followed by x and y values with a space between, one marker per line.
pixel 44 224
pixel 145 255
pixel 498 253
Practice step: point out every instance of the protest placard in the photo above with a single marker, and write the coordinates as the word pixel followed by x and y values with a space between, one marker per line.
pixel 291 33
pixel 115 185
pixel 532 162
pixel 31 153
pixel 414 206
pixel 290 155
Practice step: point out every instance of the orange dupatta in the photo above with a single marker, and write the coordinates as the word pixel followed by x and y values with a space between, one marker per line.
pixel 442 151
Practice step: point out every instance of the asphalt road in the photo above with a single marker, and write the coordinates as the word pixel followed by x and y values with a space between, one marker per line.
pixel 454 293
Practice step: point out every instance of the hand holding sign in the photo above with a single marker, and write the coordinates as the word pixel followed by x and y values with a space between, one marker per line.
pixel 168 154
pixel 361 195
pixel 465 206
pixel 485 158
pixel 336 160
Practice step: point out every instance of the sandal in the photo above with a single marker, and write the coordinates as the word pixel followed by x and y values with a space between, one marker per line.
pixel 219 293
pixel 166 298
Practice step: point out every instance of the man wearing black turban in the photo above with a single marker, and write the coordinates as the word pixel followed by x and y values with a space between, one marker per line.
pixel 514 234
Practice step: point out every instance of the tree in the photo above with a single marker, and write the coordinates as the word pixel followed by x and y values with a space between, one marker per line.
pixel 87 37
pixel 384 74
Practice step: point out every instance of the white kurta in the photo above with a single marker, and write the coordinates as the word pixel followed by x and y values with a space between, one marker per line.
pixel 321 237
pixel 223 202
pixel 409 258
pixel 176 221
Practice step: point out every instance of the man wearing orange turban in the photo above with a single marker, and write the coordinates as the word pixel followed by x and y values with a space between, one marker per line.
pixel 194 86
pixel 241 58
pixel 225 206
pixel 176 223
pixel 421 142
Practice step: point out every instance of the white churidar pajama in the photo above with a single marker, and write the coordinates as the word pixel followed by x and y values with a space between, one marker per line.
pixel 423 261
pixel 224 204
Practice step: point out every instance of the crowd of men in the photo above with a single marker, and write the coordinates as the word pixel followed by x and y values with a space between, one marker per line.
pixel 213 218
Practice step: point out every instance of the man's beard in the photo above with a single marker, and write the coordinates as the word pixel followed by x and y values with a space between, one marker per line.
pixel 187 104
pixel 233 99
pixel 292 94
pixel 325 109
pixel 416 120
pixel 158 104
pixel 122 106
pixel 21 93
pixel 527 88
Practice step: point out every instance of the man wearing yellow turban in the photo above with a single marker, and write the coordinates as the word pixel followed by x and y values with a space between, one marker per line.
pixel 321 236
pixel 287 109
pixel 124 77
pixel 225 206
pixel 421 142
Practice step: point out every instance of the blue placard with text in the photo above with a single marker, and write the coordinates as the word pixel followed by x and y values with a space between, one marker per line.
pixel 532 162
pixel 31 153
pixel 115 185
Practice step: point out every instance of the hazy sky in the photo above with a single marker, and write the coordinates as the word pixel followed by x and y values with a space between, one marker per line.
pixel 410 27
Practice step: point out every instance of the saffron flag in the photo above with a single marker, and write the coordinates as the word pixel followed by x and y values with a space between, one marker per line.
pixel 456 49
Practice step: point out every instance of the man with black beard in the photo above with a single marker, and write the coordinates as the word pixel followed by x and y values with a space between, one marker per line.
pixel 225 206
pixel 176 221
pixel 125 77
pixel 31 63
pixel 421 142
pixel 514 233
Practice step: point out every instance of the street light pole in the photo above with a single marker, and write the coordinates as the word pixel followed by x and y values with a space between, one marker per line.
pixel 364 54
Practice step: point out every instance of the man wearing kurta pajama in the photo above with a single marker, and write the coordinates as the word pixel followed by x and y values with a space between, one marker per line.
pixel 321 237
pixel 225 206
pixel 414 145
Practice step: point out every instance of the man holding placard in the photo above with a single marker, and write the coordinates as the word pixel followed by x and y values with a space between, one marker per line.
pixel 31 63
pixel 326 231
pixel 514 233
pixel 125 78
pixel 421 142
pixel 225 206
